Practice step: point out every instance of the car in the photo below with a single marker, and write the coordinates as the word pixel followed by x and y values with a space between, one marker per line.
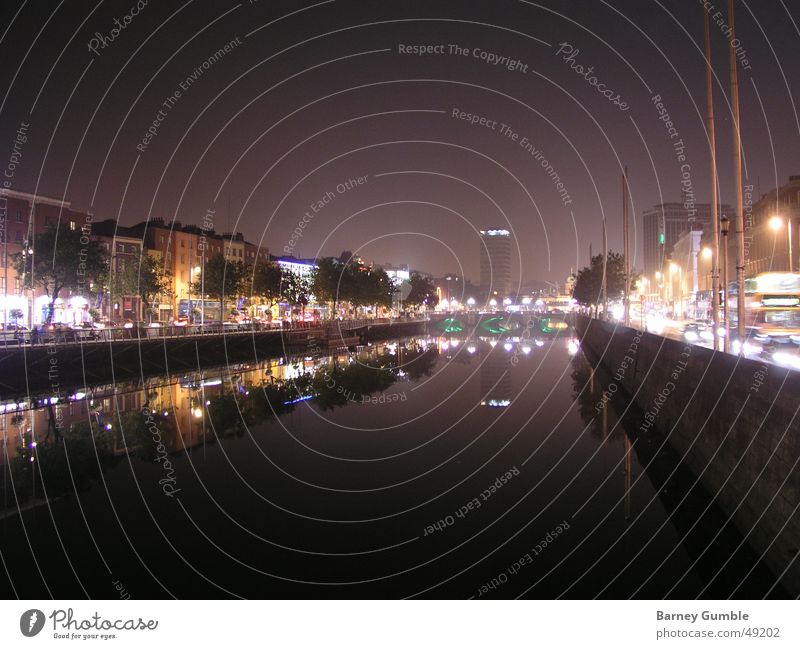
pixel 14 333
pixel 697 333
pixel 84 331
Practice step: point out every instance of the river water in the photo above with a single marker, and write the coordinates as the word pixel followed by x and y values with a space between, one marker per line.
pixel 480 467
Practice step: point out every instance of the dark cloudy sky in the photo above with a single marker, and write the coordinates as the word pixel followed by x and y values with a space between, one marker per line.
pixel 313 94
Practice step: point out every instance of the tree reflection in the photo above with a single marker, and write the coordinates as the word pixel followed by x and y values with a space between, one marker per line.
pixel 594 403
pixel 63 463
pixel 174 415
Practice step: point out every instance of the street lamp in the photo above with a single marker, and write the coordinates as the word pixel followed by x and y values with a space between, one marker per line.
pixel 725 225
pixel 198 271
pixel 776 223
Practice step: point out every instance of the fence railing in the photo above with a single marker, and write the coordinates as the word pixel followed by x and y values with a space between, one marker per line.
pixel 67 335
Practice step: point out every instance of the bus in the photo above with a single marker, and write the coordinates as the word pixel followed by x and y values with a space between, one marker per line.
pixel 558 304
pixel 772 307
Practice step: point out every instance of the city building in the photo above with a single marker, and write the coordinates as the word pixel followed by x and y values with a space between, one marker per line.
pixel 771 230
pixel 176 249
pixel 23 215
pixel 123 248
pixel 302 267
pixel 681 274
pixel 400 276
pixel 450 288
pixel 663 224
pixel 495 263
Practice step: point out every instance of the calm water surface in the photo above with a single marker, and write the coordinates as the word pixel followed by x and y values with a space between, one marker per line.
pixel 422 467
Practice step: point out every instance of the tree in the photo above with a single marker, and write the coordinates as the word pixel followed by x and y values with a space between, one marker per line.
pixel 423 292
pixel 265 281
pixel 327 280
pixel 223 279
pixel 589 282
pixel 144 276
pixel 366 286
pixel 295 288
pixel 61 259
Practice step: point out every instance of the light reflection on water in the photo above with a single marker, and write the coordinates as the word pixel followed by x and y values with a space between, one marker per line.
pixel 324 475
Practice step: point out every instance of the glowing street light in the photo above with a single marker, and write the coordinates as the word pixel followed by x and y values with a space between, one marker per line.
pixel 707 253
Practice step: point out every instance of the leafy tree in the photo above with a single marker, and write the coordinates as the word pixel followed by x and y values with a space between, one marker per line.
pixel 589 282
pixel 334 281
pixel 368 286
pixel 223 279
pixel 423 292
pixel 265 281
pixel 384 289
pixel 144 276
pixel 295 288
pixel 327 281
pixel 62 259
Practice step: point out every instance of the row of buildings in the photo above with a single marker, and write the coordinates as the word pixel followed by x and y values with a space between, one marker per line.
pixel 181 250
pixel 678 245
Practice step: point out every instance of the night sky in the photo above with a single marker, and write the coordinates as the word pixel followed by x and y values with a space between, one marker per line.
pixel 311 95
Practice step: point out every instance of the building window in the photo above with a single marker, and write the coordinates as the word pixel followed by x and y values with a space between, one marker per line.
pixel 183 243
pixel 18 237
pixel 19 216
pixel 17 284
pixel 120 248
pixel 72 225
pixel 183 259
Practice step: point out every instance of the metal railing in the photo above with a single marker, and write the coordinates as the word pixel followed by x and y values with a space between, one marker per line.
pixel 67 335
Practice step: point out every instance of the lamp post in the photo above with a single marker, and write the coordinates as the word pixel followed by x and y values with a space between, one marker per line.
pixel 196 271
pixel 708 255
pixel 725 225
pixel 776 223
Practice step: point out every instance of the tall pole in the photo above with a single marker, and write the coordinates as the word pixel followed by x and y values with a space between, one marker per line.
pixel 605 272
pixel 737 170
pixel 789 229
pixel 727 332
pixel 712 148
pixel 203 285
pixel 626 250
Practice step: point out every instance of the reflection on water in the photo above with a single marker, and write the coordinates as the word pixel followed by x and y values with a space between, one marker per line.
pixel 48 442
pixel 365 473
